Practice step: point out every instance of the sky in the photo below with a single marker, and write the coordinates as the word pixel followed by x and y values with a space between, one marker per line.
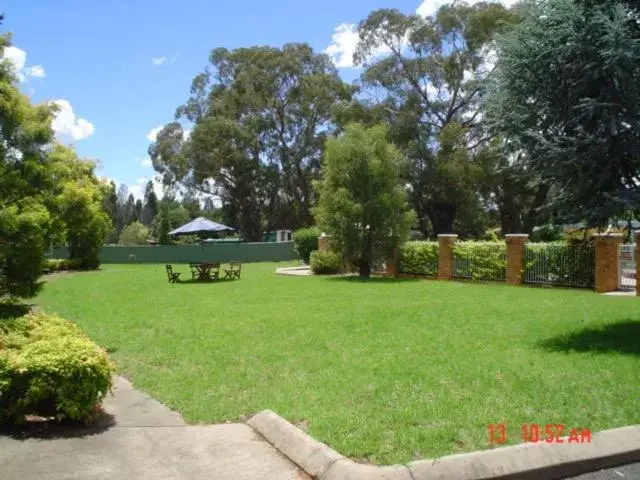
pixel 119 69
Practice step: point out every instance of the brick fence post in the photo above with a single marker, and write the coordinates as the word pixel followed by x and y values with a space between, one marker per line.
pixel 445 260
pixel 607 261
pixel 323 242
pixel 392 263
pixel 636 254
pixel 515 257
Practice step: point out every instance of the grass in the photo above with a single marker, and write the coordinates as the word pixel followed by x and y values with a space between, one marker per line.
pixel 383 371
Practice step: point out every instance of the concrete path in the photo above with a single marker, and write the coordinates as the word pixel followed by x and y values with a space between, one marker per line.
pixel 302 271
pixel 141 439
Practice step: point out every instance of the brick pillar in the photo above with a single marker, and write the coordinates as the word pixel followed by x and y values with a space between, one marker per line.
pixel 515 257
pixel 323 242
pixel 607 261
pixel 637 258
pixel 445 260
pixel 392 263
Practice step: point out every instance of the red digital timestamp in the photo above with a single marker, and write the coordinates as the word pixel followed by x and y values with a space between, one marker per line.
pixel 534 433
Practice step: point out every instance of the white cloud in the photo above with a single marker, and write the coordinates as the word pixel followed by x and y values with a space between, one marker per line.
pixel 343 45
pixel 36 71
pixel 164 60
pixel 186 134
pixel 145 162
pixel 153 133
pixel 18 58
pixel 139 187
pixel 157 61
pixel 66 124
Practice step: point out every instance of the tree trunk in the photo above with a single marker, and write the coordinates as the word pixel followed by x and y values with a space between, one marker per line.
pixel 531 218
pixel 364 268
pixel 442 215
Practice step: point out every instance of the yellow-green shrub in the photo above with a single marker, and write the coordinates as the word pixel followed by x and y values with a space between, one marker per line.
pixel 325 262
pixel 48 367
pixel 480 260
pixel 420 258
pixel 52 265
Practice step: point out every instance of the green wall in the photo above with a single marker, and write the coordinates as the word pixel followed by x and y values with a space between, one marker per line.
pixel 241 252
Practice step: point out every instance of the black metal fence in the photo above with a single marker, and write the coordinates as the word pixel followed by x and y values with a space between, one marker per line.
pixel 560 264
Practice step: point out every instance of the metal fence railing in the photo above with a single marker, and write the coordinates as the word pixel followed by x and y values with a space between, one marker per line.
pixel 626 267
pixel 559 264
pixel 480 261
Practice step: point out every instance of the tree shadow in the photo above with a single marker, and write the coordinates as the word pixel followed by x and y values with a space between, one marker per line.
pixel 52 430
pixel 622 337
pixel 9 310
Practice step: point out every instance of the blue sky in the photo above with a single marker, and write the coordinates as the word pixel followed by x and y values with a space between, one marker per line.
pixel 120 68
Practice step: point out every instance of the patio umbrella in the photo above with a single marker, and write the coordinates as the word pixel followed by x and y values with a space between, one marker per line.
pixel 200 225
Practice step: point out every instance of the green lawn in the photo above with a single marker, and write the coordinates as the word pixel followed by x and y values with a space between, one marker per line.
pixel 383 371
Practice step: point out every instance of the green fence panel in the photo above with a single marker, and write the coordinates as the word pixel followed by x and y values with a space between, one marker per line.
pixel 221 252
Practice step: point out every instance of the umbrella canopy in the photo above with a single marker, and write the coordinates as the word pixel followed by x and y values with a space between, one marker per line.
pixel 200 225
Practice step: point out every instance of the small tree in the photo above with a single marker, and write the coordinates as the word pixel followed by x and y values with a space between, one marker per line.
pixel 25 223
pixel 163 225
pixel 134 234
pixel 362 204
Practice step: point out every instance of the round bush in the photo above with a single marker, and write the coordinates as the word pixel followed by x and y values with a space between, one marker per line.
pixel 48 367
pixel 305 241
pixel 325 263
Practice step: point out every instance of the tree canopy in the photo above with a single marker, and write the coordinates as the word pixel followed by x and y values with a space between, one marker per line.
pixel 566 99
pixel 431 74
pixel 261 116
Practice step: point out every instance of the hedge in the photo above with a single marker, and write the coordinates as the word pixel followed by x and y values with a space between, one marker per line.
pixel 325 262
pixel 49 368
pixel 419 258
pixel 480 260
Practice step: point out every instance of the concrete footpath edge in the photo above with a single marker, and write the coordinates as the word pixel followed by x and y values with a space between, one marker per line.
pixel 608 448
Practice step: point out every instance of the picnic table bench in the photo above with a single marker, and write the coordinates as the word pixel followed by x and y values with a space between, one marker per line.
pixel 206 271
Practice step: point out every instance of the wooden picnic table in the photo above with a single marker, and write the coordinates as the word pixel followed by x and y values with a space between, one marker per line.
pixel 205 271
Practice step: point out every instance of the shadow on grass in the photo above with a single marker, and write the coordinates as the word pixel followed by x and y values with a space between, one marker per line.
pixel 623 337
pixel 204 282
pixel 357 279
pixel 10 310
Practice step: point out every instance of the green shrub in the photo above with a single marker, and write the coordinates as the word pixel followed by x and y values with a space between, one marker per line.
pixel 420 258
pixel 52 265
pixel 480 260
pixel 48 367
pixel 325 262
pixel 305 241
